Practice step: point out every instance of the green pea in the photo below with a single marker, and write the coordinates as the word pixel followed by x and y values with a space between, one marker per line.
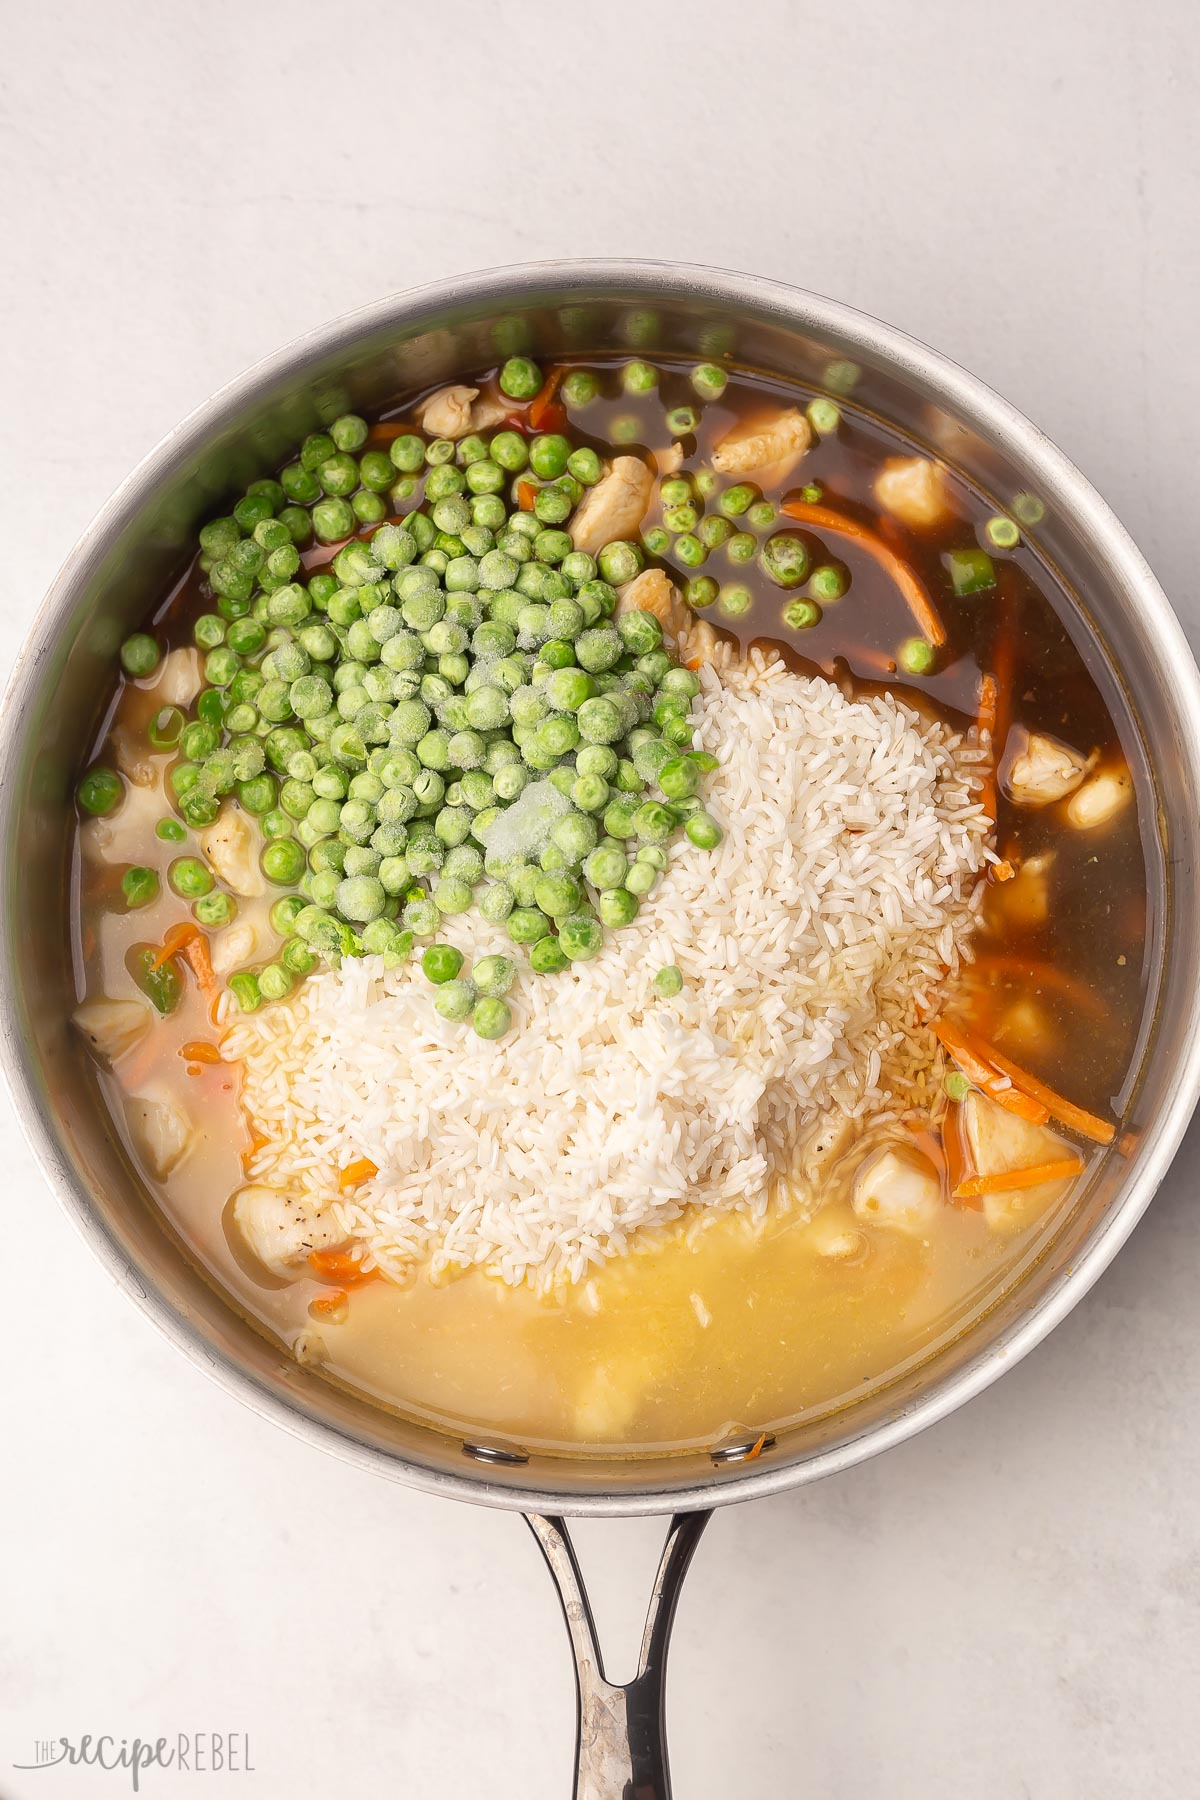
pixel 916 657
pixel 520 378
pixel 99 790
pixel 713 531
pixel 742 547
pixel 761 515
pixel 494 975
pixel 407 452
pixel 219 536
pixel 190 878
pixel 703 830
pixel 454 1000
pixel 585 465
pixel 547 956
pixel 709 381
pixel 801 615
pixel 679 778
pixel 246 991
pixel 619 562
pixel 333 519
pixel 171 831
pixel 606 867
pixel 689 550
pixel 669 981
pixel 139 655
pixel 139 886
pixel 580 387
pixel 492 1017
pixel 618 907
pixel 165 727
pixel 441 962
pixel 823 416
pixel 509 451
pixel 734 600
pixel 526 924
pixel 639 377
pixel 548 455
pixel 580 937
pixel 214 910
pixel 642 878
pixel 785 559
pixel 283 861
pixel 827 583
pixel 682 420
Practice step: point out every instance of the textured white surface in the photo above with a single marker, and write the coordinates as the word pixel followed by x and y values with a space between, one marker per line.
pixel 1006 1607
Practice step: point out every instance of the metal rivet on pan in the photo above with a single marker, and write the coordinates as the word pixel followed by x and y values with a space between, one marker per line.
pixel 491 1453
pixel 743 1449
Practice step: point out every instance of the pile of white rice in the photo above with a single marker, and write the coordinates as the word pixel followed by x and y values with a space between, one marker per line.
pixel 810 942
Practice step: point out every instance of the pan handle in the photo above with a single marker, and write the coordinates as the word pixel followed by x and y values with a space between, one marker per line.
pixel 621 1743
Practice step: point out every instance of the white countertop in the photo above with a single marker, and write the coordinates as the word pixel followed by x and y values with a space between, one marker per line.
pixel 1006 1606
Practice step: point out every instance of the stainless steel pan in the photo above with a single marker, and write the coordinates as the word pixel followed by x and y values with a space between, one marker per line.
pixel 119 568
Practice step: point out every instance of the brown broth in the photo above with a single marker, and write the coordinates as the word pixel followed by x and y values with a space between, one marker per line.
pixel 627 1359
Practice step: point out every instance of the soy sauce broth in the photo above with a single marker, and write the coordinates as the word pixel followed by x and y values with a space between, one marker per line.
pixel 1064 983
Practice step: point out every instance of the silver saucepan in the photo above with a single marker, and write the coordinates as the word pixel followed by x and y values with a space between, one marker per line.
pixel 123 564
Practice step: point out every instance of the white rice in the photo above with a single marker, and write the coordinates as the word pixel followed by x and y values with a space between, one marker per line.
pixel 811 943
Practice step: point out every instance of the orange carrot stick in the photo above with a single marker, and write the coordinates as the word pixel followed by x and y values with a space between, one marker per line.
pixel 340 1266
pixel 331 1307
pixel 200 1051
pixel 988 701
pixel 1056 1104
pixel 823 518
pixel 526 495
pixel 355 1173
pixel 175 938
pixel 542 410
pixel 1062 1169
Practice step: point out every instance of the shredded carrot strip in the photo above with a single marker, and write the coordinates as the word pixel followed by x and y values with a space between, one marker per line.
pixel 1002 871
pixel 756 1448
pixel 526 495
pixel 1062 1169
pixel 340 1266
pixel 196 952
pixel 355 1173
pixel 200 1051
pixel 1056 1105
pixel 176 938
pixel 977 1069
pixel 542 406
pixel 330 1305
pixel 823 518
pixel 988 702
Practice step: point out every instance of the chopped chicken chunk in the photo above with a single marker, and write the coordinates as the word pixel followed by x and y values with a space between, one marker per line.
pixel 899 1187
pixel 1044 771
pixel 833 1233
pixel 670 460
pixel 181 678
pixel 231 847
pixel 1100 799
pixel 241 943
pixel 614 508
pixel 768 450
pixel 913 489
pixel 160 1129
pixel 1000 1141
pixel 112 1027
pixel 133 759
pixel 1025 900
pixel 454 411
pixel 121 837
pixel 282 1229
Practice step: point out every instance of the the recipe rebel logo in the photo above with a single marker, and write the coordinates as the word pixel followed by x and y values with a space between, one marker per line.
pixel 187 1752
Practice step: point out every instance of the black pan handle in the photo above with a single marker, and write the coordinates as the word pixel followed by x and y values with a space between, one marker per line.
pixel 621 1746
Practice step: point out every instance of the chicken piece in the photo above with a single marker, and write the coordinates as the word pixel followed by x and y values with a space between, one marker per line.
pixel 113 1027
pixel 161 1131
pixel 122 836
pixel 231 846
pixel 609 1397
pixel 282 1229
pixel 1025 900
pixel 180 679
pixel 668 461
pixel 834 1234
pixel 897 1186
pixel 614 508
pixel 999 1141
pixel 240 944
pixel 1044 771
pixel 310 1349
pixel 1100 799
pixel 133 760
pixel 454 411
pixel 913 490
pixel 769 451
